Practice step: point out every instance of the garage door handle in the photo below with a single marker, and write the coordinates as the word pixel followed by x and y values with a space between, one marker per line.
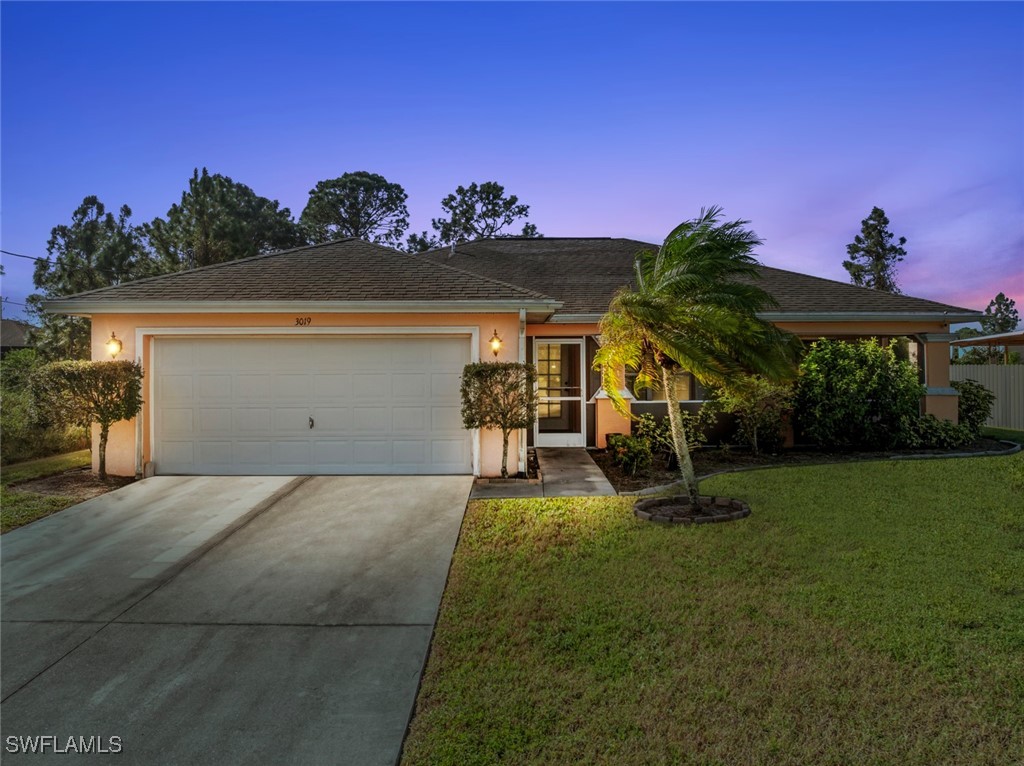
pixel 311 422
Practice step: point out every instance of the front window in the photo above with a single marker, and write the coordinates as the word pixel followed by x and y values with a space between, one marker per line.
pixel 688 388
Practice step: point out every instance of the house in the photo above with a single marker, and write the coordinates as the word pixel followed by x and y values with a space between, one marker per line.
pixel 14 335
pixel 345 357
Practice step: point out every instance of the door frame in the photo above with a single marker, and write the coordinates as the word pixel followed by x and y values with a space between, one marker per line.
pixel 566 439
pixel 152 334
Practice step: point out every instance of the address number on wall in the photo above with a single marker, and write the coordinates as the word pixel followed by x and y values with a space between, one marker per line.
pixel 303 321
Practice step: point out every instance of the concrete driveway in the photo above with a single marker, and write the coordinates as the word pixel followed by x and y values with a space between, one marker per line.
pixel 228 620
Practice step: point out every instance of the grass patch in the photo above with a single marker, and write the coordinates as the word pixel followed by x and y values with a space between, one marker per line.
pixel 1003 433
pixel 18 508
pixel 867 613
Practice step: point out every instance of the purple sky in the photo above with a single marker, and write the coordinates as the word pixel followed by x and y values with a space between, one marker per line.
pixel 608 119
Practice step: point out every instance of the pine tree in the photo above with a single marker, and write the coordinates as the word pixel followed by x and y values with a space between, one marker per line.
pixel 873 256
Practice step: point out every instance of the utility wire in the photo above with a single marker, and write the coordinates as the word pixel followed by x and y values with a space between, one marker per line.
pixel 19 255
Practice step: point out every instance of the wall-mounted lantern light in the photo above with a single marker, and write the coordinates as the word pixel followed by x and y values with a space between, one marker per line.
pixel 114 346
pixel 495 342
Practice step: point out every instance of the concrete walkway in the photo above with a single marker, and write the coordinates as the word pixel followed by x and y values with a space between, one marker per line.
pixel 566 472
pixel 228 620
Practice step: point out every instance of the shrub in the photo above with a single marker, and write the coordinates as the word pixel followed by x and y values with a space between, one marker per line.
pixel 657 433
pixel 975 404
pixel 856 394
pixel 499 395
pixel 928 432
pixel 24 432
pixel 80 393
pixel 760 407
pixel 631 453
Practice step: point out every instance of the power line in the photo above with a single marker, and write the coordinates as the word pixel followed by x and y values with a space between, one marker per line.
pixel 30 257
pixel 8 300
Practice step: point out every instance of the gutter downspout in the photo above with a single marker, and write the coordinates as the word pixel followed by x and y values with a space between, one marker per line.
pixel 522 360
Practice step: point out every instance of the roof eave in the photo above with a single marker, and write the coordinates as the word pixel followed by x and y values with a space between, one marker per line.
pixel 819 316
pixel 90 307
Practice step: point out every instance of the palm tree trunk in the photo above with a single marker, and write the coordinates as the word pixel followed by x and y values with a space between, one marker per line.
pixel 679 441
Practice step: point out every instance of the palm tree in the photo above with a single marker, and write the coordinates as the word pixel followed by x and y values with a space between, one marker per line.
pixel 694 308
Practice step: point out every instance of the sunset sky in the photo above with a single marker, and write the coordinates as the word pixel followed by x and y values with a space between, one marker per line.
pixel 607 119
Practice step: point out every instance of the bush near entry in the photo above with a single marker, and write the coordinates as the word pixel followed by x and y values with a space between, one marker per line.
pixel 81 393
pixel 26 432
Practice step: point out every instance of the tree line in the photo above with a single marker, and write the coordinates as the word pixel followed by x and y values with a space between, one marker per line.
pixel 219 220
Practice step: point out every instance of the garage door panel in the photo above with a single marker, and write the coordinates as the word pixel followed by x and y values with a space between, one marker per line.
pixel 252 386
pixel 252 420
pixel 216 453
pixel 409 385
pixel 410 452
pixel 242 405
pixel 332 385
pixel 371 452
pixel 370 420
pixel 291 420
pixel 175 388
pixel 328 419
pixel 215 420
pixel 296 453
pixel 445 386
pixel 177 421
pixel 366 387
pixel 217 386
pixel 445 418
pixel 408 420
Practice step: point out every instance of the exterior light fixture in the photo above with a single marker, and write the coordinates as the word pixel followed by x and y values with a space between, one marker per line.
pixel 495 342
pixel 114 346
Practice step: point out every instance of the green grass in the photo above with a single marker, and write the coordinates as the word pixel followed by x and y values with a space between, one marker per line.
pixel 1004 433
pixel 18 508
pixel 868 613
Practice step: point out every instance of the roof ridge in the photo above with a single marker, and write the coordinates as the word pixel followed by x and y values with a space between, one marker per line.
pixel 520 288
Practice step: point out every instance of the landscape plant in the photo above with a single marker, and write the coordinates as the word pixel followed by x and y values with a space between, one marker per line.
pixel 694 307
pixel 81 393
pixel 25 432
pixel 856 394
pixel 760 406
pixel 631 453
pixel 974 405
pixel 499 395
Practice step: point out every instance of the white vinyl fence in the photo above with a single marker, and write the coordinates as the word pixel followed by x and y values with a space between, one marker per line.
pixel 1006 381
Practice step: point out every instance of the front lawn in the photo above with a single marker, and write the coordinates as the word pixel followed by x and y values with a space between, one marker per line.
pixel 19 507
pixel 866 613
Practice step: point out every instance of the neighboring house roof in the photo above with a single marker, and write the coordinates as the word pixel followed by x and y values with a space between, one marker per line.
pixel 347 271
pixel 14 334
pixel 998 339
pixel 585 273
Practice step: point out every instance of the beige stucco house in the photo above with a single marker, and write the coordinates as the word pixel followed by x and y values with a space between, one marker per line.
pixel 345 358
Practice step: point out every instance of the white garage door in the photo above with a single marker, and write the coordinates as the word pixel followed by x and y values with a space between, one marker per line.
pixel 322 405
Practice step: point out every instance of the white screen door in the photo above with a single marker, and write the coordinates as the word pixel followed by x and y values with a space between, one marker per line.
pixel 560 376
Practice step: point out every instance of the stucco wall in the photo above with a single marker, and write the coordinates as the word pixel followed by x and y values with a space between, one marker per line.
pixel 121 448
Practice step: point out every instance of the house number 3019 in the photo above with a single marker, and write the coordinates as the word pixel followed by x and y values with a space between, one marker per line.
pixel 303 321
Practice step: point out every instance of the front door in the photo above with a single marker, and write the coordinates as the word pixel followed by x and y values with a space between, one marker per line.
pixel 560 376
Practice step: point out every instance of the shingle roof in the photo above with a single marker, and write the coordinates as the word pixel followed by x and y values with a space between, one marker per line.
pixel 584 273
pixel 343 270
pixel 14 334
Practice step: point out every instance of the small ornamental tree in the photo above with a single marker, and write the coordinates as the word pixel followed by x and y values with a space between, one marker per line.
pixel 82 393
pixel 499 395
pixel 760 407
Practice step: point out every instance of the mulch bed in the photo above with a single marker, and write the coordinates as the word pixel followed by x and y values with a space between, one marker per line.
pixel 713 459
pixel 81 484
